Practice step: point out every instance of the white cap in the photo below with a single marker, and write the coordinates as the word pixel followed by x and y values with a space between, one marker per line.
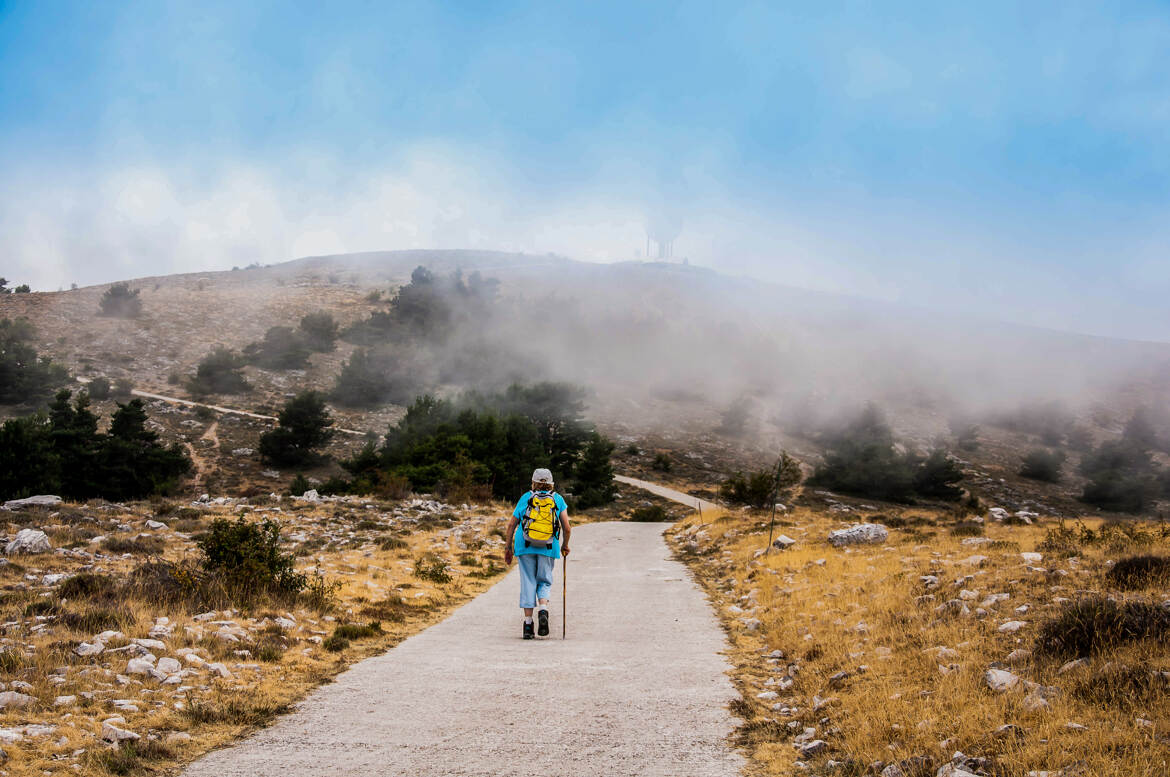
pixel 542 476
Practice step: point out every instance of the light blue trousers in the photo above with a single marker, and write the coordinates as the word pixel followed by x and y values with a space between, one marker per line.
pixel 536 577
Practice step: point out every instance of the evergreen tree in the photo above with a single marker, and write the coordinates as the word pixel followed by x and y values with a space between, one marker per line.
pixel 220 372
pixel 120 301
pixel 281 349
pixel 24 377
pixel 319 331
pixel 593 485
pixel 303 426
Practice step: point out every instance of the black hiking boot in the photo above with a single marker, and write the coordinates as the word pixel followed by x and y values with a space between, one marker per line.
pixel 542 623
pixel 528 630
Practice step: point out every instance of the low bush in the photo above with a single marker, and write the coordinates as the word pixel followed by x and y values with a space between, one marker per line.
pixel 1121 685
pixel 432 568
pixel 248 559
pixel 649 514
pixel 759 489
pixel 243 708
pixel 319 331
pixel 392 609
pixel 281 349
pixel 1043 465
pixel 335 644
pixel 356 631
pixel 1136 572
pixel 661 463
pixel 139 546
pixel 967 529
pixel 136 757
pixel 99 388
pixel 1093 624
pixel 91 586
pixel 220 372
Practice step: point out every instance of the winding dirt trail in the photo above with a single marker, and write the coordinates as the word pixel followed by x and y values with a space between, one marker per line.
pixel 221 409
pixel 638 688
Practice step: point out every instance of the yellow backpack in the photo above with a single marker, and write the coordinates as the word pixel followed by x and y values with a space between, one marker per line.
pixel 542 523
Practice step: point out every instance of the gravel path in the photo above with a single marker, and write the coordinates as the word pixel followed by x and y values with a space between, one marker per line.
pixel 638 688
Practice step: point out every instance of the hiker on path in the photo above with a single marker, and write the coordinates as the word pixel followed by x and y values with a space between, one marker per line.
pixel 540 519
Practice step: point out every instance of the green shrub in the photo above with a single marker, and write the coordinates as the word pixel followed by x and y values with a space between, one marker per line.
pixel 392 543
pixel 488 443
pixel 299 485
pixel 862 460
pixel 432 568
pixel 761 488
pixel 98 388
pixel 1122 475
pixel 649 514
pixel 319 331
pixel 119 301
pixel 281 349
pixel 371 378
pixel 1043 465
pixel 220 372
pixel 661 463
pixel 303 427
pixel 123 388
pixel 247 558
pixel 335 644
pixel 356 631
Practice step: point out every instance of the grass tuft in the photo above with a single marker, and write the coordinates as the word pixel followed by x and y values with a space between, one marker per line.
pixel 1093 624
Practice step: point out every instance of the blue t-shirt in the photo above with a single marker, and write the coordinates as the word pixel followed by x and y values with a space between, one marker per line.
pixel 518 538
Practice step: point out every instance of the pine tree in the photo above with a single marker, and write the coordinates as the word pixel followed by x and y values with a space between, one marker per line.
pixel 303 426
pixel 593 484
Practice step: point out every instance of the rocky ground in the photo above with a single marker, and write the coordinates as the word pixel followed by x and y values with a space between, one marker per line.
pixel 916 643
pixel 84 673
pixel 100 675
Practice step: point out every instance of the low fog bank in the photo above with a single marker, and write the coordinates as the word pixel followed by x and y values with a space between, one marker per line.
pixel 662 338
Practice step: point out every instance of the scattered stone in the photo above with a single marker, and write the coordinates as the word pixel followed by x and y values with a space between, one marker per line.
pixel 783 542
pixel 178 736
pixel 89 649
pixel 169 665
pixel 14 700
pixel 1079 663
pixel 1000 680
pixel 815 747
pixel 918 766
pixel 1011 627
pixel 155 525
pixel 139 666
pixel 29 541
pixel 859 534
pixel 115 735
pixel 41 500
pixel 1019 656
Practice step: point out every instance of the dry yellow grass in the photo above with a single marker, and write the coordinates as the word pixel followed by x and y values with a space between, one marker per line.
pixel 913 682
pixel 345 541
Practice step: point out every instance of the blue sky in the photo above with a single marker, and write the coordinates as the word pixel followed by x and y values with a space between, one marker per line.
pixel 1008 159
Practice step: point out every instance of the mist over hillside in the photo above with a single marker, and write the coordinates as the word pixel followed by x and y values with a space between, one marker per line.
pixel 656 338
